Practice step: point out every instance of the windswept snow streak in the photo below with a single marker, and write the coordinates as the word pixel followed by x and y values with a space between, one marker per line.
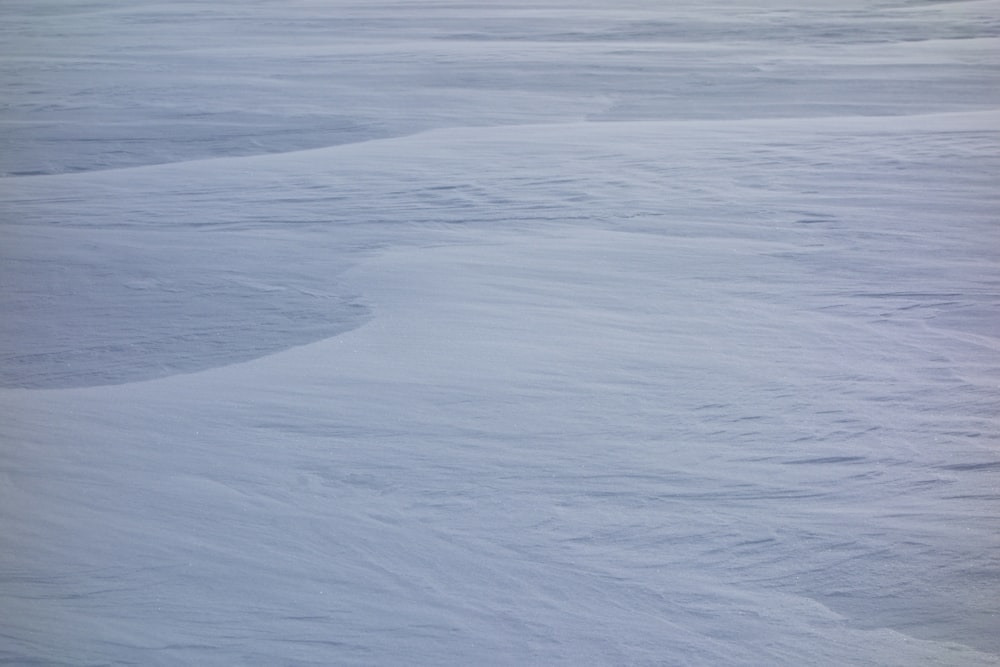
pixel 579 336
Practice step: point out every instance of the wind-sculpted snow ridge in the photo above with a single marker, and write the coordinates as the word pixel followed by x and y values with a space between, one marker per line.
pixel 107 84
pixel 953 121
pixel 134 258
pixel 537 452
pixel 637 392
pixel 553 333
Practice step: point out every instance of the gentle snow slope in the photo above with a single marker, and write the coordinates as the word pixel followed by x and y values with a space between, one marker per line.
pixel 506 383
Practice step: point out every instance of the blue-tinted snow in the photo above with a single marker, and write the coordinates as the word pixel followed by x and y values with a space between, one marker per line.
pixel 550 333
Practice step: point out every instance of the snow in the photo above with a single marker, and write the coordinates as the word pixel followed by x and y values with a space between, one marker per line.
pixel 549 333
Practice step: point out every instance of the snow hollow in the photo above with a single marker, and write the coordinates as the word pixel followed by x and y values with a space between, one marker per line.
pixel 528 333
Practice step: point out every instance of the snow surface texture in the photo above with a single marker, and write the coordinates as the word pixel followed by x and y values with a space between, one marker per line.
pixel 656 335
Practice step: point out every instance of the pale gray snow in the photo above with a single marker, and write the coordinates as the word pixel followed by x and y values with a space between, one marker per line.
pixel 397 333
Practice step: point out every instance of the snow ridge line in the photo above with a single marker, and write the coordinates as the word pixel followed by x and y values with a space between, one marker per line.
pixel 964 121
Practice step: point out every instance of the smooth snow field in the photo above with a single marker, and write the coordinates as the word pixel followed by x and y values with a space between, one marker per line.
pixel 562 332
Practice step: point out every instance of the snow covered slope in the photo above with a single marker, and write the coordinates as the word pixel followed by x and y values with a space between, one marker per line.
pixel 426 333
